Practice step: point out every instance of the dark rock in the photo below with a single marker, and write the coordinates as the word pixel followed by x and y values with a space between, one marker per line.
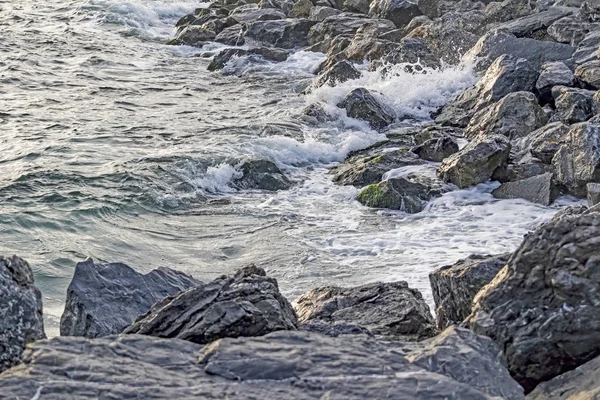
pixel 232 36
pixel 346 25
pixel 541 308
pixel 319 13
pixel 285 34
pixel 554 73
pixel 21 310
pixel 285 6
pixel 570 30
pixel 301 9
pixel 574 105
pixel 247 304
pixel 340 72
pixel 588 48
pixel 263 175
pixel 390 310
pixel 589 73
pixel 533 25
pixel 526 168
pixel 593 194
pixel 334 330
pixel 568 212
pixel 476 162
pixel 537 189
pixel 357 6
pixel 104 299
pixel 194 35
pixel 455 286
pixel 412 51
pixel 250 13
pixel 400 12
pixel 220 60
pixel 408 194
pixel 543 143
pixel 437 149
pixel 361 104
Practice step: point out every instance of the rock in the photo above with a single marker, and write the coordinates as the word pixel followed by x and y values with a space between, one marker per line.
pixel 194 35
pixel 554 73
pixel 507 10
pixel 301 9
pixel 495 44
pixel 537 189
pixel 593 194
pixel 514 116
pixel 263 175
pixel 455 286
pixel 247 304
pixel 335 329
pixel 232 36
pixel 574 105
pixel 476 162
pixel 357 6
pixel 224 56
pixel 547 140
pixel 589 73
pixel 400 12
pixel 577 162
pixel 21 310
pixel 285 6
pixel 570 30
pixel 412 51
pixel 468 358
pixel 286 34
pixel 588 48
pixel 319 13
pixel 251 13
pixel 340 72
pixel 526 168
pixel 361 104
pixel 104 299
pixel 506 75
pixel 361 170
pixel 346 25
pixel 567 212
pixel 541 308
pixel 366 46
pixel 535 25
pixel 407 194
pixel 389 310
pixel 581 383
pixel 437 149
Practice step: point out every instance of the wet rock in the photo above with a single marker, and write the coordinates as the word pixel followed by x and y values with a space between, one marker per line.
pixel 366 46
pixel 361 104
pixel 412 51
pixel 514 116
pixel 400 12
pixel 535 25
pixel 301 9
pixel 408 194
pixel 574 105
pixel 104 299
pixel 577 162
pixel 21 310
pixel 362 170
pixel 246 304
pixel 571 30
pixel 468 358
pixel 263 175
pixel 232 36
pixel 476 162
pixel 593 194
pixel 541 308
pixel 250 13
pixel 437 149
pixel 507 10
pixel 224 56
pixel 389 310
pixel 346 25
pixel 319 13
pixel 455 286
pixel 581 383
pixel 537 189
pixel 316 113
pixel 285 34
pixel 589 73
pixel 334 330
pixel 340 72
pixel 554 73
pixel 194 35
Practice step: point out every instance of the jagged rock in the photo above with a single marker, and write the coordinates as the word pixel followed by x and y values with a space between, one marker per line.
pixel 316 113
pixel 408 194
pixel 263 175
pixel 301 9
pixel 574 105
pixel 412 51
pixel 337 4
pixel 232 36
pixel 340 72
pixel 577 162
pixel 567 212
pixel 251 12
pixel 194 35
pixel 366 46
pixel 345 24
pixel 362 170
pixel 546 141
pixel 554 73
pixel 476 162
pixel 526 168
pixel 361 104
pixel 247 304
pixel 514 116
pixel 224 56
pixel 571 30
pixel 437 8
pixel 588 48
pixel 535 25
pixel 495 44
pixel 334 330
pixel 389 310
pixel 357 6
pixel 437 149
pixel 400 12
pixel 104 299
pixel 593 194
pixel 581 383
pixel 319 13
pixel 284 5
pixel 21 310
pixel 506 75
pixel 541 308
pixel 468 358
pixel 537 189
pixel 286 34
pixel 507 10
pixel 589 73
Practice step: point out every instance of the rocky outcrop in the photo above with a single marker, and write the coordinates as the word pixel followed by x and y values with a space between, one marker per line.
pixel 454 286
pixel 538 189
pixel 263 175
pixel 361 104
pixel 246 304
pixel 389 310
pixel 541 308
pixel 408 193
pixel 104 299
pixel 20 308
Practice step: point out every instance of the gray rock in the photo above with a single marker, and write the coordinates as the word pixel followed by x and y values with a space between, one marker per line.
pixel 20 308
pixel 568 212
pixel 589 73
pixel 581 383
pixel 357 6
pixel 301 9
pixel 554 73
pixel 232 36
pixel 454 286
pixel 526 168
pixel 593 194
pixel 247 304
pixel 543 143
pixel 541 308
pixel 346 25
pixel 437 149
pixel 104 299
pixel 366 46
pixel 263 175
pixel 408 194
pixel 319 13
pixel 361 104
pixel 537 189
pixel 400 12
pixel 251 13
pixel 571 30
pixel 476 162
pixel 588 48
pixel 340 72
pixel 286 34
pixel 284 6
pixel 574 105
pixel 535 25
pixel 514 116
pixel 224 56
pixel 468 358
pixel 414 51
pixel 334 329
pixel 194 35
pixel 389 310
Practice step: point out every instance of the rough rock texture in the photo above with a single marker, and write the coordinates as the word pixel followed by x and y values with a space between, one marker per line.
pixel 574 105
pixel 476 162
pixel 21 319
pixel 400 12
pixel 286 34
pixel 247 304
pixel 535 25
pixel 583 383
pixel 224 56
pixel 454 286
pixel 301 9
pixel 554 73
pixel 437 149
pixel 319 13
pixel 543 143
pixel 334 330
pixel 361 104
pixel 261 174
pixel 593 194
pixel 390 310
pixel 408 194
pixel 542 307
pixel 339 72
pixel 589 73
pixel 103 299
pixel 537 189
pixel 345 24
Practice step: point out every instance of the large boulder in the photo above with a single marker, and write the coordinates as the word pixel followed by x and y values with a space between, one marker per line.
pixel 286 34
pixel 543 143
pixel 476 162
pixel 400 12
pixel 535 25
pixel 246 304
pixel 20 309
pixel 389 310
pixel 454 286
pixel 555 73
pixel 409 193
pixel 538 189
pixel 574 105
pixel 362 104
pixel 542 307
pixel 340 72
pixel 437 149
pixel 263 175
pixel 103 299
pixel 319 13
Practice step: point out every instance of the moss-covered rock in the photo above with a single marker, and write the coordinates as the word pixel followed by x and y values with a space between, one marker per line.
pixel 405 194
